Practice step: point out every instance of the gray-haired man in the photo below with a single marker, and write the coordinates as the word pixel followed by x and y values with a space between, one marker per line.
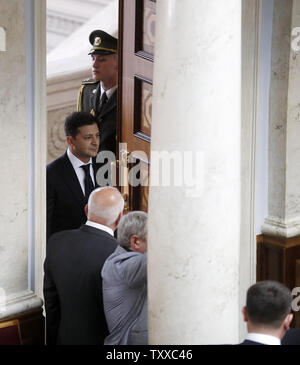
pixel 125 284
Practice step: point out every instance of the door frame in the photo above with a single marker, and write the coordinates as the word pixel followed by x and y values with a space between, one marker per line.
pixel 36 79
pixel 251 29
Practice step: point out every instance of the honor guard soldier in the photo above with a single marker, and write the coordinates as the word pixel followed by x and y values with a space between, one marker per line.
pixel 98 96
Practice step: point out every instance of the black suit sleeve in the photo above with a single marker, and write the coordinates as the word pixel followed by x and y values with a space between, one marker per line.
pixel 52 306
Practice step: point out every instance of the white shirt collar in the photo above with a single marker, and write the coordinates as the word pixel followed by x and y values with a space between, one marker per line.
pixel 100 226
pixel 264 339
pixel 76 163
pixel 109 92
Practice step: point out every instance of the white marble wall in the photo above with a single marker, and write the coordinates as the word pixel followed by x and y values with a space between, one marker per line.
pixel 262 110
pixel 249 131
pixel 194 240
pixel 284 128
pixel 2 39
pixel 14 162
pixel 293 130
pixel 13 148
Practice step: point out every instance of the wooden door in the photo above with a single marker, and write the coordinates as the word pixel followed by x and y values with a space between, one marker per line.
pixel 136 55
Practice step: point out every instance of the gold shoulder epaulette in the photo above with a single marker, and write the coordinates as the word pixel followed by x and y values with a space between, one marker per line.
pixel 79 99
pixel 89 81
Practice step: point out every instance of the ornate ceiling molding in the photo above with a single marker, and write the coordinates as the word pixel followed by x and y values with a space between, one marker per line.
pixel 66 16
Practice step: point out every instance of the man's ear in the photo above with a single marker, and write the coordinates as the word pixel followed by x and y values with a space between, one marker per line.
pixel 86 210
pixel 69 140
pixel 287 321
pixel 134 243
pixel 245 314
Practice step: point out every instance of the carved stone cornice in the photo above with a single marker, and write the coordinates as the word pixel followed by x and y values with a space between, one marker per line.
pixel 60 24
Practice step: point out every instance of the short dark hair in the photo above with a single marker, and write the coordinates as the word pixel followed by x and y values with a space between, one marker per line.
pixel 77 120
pixel 268 303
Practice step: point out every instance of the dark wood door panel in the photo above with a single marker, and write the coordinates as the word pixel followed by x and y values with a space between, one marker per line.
pixel 137 35
pixel 278 259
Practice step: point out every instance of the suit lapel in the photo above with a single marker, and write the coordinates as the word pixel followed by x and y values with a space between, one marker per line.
pixel 70 179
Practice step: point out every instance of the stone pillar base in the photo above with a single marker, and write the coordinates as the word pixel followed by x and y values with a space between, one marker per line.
pixel 274 226
pixel 27 308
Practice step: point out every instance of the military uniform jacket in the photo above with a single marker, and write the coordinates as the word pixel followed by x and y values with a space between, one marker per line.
pixel 89 101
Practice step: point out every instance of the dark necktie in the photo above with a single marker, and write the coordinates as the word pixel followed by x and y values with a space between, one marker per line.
pixel 88 182
pixel 103 101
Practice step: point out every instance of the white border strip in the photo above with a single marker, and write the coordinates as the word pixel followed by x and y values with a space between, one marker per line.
pixel 29 39
pixel 40 141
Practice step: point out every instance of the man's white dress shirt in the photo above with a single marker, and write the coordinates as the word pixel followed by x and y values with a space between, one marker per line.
pixel 100 226
pixel 263 339
pixel 109 92
pixel 76 163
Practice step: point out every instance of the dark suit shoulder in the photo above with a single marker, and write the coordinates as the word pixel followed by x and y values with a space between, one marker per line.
pixel 82 231
pixel 292 337
pixel 85 239
pixel 248 342
pixel 98 240
pixel 58 237
pixel 58 161
pixel 85 229
pixel 58 167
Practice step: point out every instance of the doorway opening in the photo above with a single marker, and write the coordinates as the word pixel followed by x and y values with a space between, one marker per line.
pixel 69 24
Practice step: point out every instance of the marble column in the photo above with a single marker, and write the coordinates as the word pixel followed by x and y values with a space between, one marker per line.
pixel 194 233
pixel 284 127
pixel 16 297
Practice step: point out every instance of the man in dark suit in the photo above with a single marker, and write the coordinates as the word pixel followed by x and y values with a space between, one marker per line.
pixel 72 281
pixel 98 96
pixel 292 337
pixel 267 313
pixel 71 177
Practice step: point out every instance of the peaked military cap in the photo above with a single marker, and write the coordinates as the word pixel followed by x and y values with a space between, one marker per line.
pixel 103 43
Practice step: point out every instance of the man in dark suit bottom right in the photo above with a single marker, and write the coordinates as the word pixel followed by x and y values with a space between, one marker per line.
pixel 267 313
pixel 292 337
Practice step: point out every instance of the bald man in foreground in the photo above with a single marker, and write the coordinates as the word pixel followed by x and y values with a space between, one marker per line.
pixel 72 280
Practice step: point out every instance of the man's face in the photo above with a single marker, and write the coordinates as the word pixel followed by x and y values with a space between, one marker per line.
pixel 105 68
pixel 86 143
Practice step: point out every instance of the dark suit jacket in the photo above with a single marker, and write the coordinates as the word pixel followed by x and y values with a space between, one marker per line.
pixel 65 199
pixel 248 342
pixel 73 286
pixel 291 337
pixel 90 95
